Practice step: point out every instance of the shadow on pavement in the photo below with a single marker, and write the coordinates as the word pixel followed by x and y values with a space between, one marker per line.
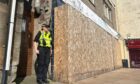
pixel 18 80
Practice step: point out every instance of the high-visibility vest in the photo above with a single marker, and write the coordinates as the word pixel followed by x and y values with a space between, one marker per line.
pixel 45 39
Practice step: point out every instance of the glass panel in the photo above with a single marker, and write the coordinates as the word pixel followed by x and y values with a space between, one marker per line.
pixel 107 12
pixel 92 1
pixel 110 14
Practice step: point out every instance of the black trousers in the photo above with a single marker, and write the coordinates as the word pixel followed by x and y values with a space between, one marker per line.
pixel 42 63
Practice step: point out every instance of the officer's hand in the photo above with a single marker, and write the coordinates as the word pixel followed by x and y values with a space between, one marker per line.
pixel 37 51
pixel 51 52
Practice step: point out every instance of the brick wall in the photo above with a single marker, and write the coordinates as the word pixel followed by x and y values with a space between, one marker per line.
pixel 82 49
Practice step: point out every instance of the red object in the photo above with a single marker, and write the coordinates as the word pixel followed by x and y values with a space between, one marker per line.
pixel 134 43
pixel 134 52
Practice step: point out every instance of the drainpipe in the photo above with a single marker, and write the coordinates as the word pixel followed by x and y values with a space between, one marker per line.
pixel 7 57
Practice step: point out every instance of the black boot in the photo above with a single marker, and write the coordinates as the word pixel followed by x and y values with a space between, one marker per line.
pixel 40 82
pixel 46 81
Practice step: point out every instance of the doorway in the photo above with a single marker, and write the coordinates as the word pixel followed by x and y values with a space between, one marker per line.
pixel 134 58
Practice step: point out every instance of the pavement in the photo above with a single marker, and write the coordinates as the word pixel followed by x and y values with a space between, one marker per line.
pixel 121 76
pixel 32 80
pixel 27 80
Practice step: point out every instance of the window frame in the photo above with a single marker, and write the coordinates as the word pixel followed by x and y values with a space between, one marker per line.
pixel 92 2
pixel 107 11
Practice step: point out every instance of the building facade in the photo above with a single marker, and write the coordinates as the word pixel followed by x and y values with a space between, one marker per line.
pixel 84 46
pixel 3 30
pixel 128 23
pixel 21 48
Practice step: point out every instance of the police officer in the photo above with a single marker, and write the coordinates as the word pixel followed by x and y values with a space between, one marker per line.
pixel 42 44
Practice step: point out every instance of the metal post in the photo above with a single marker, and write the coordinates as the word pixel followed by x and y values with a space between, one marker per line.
pixel 52 26
pixel 7 57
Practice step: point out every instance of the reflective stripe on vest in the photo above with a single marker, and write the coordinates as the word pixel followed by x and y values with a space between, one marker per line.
pixel 46 37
